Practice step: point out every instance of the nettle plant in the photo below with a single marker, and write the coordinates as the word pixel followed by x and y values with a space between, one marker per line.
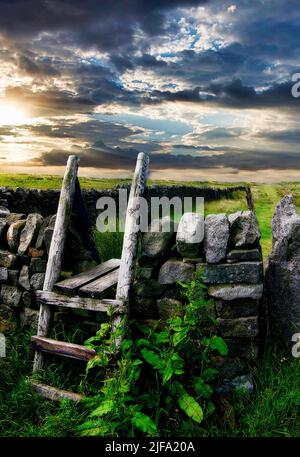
pixel 164 376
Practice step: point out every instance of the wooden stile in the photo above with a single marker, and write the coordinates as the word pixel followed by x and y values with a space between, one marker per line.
pixel 57 246
pixel 84 291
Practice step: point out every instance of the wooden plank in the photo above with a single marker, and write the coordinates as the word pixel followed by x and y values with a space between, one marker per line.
pixel 96 288
pixel 54 394
pixel 131 236
pixel 57 246
pixel 82 279
pixel 71 350
pixel 89 304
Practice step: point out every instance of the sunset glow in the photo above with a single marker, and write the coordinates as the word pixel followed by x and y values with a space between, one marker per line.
pixel 204 87
pixel 11 114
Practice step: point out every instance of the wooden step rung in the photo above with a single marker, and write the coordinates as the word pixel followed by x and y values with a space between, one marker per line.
pixel 54 394
pixel 71 350
pixel 89 304
pixel 97 287
pixel 80 280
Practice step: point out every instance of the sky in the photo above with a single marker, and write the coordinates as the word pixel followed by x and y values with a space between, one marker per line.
pixel 203 87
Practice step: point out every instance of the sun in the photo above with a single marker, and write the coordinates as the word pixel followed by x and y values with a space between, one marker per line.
pixel 11 114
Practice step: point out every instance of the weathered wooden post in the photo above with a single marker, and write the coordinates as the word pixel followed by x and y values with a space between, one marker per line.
pixel 57 247
pixel 131 236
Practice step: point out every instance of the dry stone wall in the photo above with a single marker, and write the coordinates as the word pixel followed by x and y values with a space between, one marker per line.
pixel 45 202
pixel 24 246
pixel 229 258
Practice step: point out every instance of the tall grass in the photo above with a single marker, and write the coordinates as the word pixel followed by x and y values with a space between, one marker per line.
pixel 273 410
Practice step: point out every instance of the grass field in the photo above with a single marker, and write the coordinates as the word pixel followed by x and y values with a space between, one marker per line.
pixel 265 196
pixel 273 411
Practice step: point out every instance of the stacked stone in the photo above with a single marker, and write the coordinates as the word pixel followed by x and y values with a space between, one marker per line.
pixel 230 258
pixel 45 201
pixel 23 261
pixel 24 247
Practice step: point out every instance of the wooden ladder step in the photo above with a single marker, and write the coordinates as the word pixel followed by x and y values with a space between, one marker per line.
pixel 97 287
pixel 54 394
pixel 74 351
pixel 89 304
pixel 75 282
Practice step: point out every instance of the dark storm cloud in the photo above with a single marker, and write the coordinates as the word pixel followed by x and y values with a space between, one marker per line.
pixel 247 64
pixel 41 67
pixel 228 76
pixel 104 24
pixel 102 152
pixel 284 136
pixel 122 158
pixel 234 94
pixel 91 131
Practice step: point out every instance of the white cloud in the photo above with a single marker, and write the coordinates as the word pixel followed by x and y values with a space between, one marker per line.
pixel 231 8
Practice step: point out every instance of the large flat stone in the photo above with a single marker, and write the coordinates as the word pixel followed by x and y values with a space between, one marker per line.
pixel 190 234
pixel 236 291
pixel 13 234
pixel 241 272
pixel 175 270
pixel 216 237
pixel 30 232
